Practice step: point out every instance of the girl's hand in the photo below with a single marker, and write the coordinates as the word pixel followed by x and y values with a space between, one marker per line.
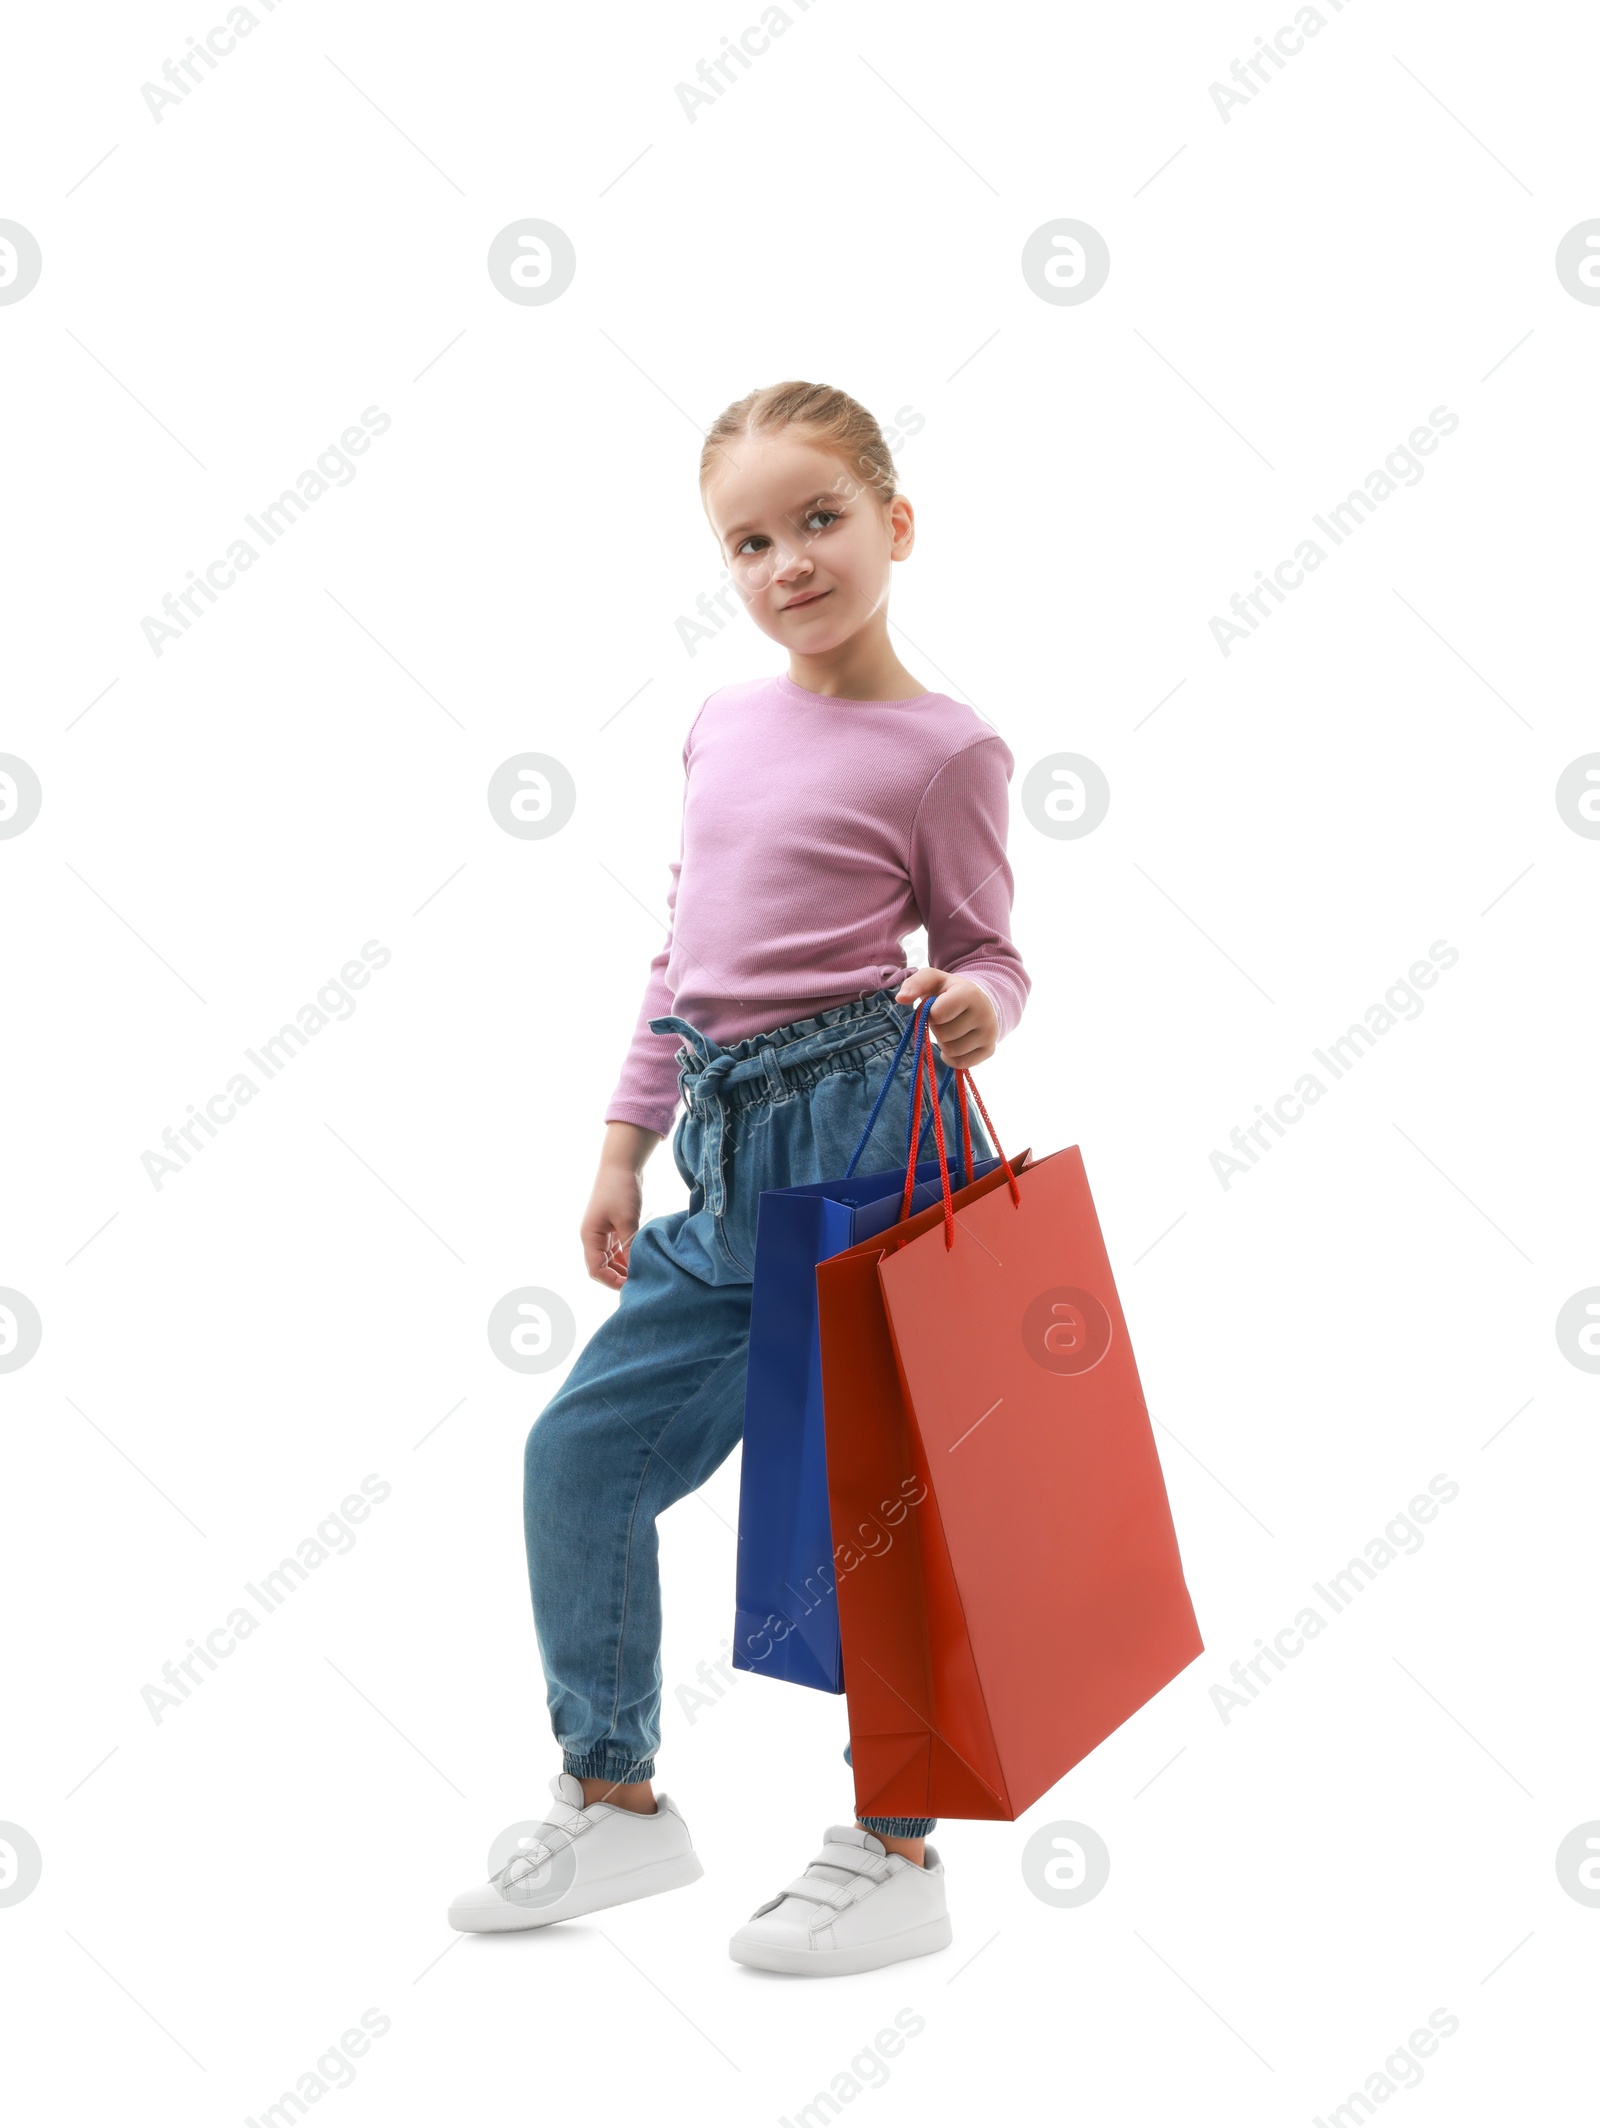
pixel 610 1222
pixel 611 1218
pixel 962 1021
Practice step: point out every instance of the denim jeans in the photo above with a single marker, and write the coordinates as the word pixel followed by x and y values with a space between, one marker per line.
pixel 655 1401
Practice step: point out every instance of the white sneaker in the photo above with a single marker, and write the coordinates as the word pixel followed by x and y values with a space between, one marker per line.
pixel 583 1856
pixel 856 1907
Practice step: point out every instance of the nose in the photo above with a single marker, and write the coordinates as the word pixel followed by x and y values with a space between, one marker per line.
pixel 778 564
pixel 790 563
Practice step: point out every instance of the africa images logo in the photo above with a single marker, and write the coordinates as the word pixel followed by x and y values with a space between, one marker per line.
pixel 1066 1330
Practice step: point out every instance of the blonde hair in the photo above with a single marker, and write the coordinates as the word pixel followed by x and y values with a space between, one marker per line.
pixel 833 419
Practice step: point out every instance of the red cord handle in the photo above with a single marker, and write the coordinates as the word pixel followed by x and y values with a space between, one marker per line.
pixel 963 1081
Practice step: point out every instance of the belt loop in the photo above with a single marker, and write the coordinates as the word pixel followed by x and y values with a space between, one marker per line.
pixel 775 1080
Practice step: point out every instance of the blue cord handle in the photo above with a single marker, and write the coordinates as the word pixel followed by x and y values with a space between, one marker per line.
pixel 918 1022
pixel 911 1090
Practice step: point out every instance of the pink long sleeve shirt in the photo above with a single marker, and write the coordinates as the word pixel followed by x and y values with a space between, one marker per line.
pixel 817 833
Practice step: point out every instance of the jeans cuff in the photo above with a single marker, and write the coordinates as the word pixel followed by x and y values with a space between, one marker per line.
pixel 604 1763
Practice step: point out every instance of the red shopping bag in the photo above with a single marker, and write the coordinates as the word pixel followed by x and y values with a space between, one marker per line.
pixel 1011 1590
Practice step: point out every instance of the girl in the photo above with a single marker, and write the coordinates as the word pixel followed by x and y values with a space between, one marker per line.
pixel 827 812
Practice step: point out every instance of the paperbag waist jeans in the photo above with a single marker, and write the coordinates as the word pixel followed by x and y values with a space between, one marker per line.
pixel 655 1401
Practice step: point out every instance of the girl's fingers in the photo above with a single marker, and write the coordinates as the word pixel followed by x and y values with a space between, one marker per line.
pixel 605 1256
pixel 944 1012
pixel 958 1032
pixel 971 1046
pixel 944 1031
pixel 962 1038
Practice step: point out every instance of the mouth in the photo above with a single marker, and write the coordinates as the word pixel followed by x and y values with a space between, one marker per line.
pixel 807 598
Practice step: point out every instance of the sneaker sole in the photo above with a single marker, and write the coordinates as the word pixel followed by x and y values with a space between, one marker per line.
pixel 854 1958
pixel 610 1891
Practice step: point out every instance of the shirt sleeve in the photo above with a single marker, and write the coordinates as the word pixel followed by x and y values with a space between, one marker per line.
pixel 647 1090
pixel 962 882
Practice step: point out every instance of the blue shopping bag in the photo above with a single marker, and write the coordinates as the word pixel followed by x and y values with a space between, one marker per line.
pixel 787 1616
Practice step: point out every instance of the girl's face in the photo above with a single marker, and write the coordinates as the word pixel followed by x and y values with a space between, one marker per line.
pixel 808 545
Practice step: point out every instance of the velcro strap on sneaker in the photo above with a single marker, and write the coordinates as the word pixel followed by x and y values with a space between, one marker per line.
pixel 834 1895
pixel 858 1860
pixel 561 1836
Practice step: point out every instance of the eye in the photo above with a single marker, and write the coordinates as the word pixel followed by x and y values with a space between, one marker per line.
pixel 755 541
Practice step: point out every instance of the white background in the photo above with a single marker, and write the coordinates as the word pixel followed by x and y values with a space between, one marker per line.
pixel 1292 1891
